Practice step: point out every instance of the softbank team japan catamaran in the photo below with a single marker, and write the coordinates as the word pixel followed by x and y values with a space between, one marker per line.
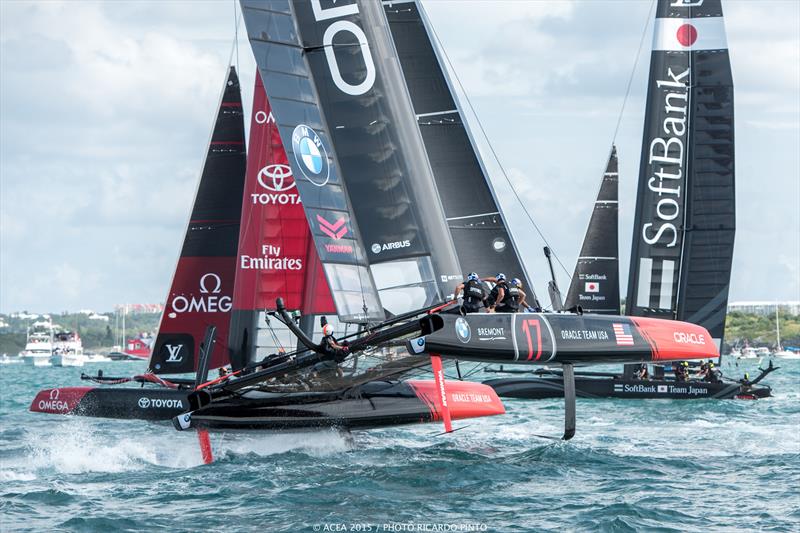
pixel 339 209
pixel 685 215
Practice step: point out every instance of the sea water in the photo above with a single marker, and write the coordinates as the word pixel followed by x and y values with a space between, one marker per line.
pixel 634 465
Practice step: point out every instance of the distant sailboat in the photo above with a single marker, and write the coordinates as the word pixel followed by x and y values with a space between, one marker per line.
pixel 595 282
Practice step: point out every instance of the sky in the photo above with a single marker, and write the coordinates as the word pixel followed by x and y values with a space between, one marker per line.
pixel 106 108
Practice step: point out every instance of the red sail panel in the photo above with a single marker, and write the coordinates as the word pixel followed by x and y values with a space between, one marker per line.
pixel 277 257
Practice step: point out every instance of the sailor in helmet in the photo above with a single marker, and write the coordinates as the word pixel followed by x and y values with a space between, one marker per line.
pixel 474 295
pixel 514 298
pixel 498 293
pixel 335 353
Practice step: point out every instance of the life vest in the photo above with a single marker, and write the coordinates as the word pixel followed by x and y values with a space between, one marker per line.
pixel 510 303
pixel 496 291
pixel 473 292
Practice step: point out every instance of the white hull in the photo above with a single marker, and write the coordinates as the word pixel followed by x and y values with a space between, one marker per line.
pixel 786 354
pixel 11 360
pixel 37 360
pixel 67 360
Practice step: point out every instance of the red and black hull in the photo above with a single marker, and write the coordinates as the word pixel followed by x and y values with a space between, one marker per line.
pixel 535 388
pixel 372 405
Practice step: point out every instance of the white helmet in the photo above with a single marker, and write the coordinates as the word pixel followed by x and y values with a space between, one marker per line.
pixel 327 329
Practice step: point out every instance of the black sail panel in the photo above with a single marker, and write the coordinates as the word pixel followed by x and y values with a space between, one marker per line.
pixel 201 291
pixel 477 226
pixel 685 218
pixel 352 88
pixel 595 282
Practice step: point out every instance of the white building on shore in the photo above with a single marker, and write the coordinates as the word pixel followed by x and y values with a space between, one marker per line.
pixel 765 307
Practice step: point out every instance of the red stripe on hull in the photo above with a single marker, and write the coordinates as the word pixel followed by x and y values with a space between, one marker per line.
pixel 464 398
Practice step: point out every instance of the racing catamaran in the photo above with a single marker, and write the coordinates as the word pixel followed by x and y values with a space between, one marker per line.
pixel 363 159
pixel 685 212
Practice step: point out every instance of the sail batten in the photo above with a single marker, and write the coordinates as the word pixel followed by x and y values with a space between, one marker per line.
pixel 685 215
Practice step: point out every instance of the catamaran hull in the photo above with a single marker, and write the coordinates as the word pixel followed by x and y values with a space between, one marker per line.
pixel 534 388
pixel 375 404
pixel 102 402
pixel 546 338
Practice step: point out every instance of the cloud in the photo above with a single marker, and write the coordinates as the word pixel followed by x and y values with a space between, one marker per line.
pixel 105 110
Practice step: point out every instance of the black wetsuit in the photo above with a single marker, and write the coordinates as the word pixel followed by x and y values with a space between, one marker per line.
pixel 474 296
pixel 328 345
pixel 495 293
pixel 510 303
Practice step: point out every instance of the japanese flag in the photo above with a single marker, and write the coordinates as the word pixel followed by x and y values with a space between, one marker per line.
pixel 591 286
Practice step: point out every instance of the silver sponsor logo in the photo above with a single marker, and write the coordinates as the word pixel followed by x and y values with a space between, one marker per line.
pixel 160 403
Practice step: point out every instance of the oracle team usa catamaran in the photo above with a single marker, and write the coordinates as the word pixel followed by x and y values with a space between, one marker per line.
pixel 339 208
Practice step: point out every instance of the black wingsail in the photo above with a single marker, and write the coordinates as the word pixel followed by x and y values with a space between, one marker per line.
pixel 685 210
pixel 595 282
pixel 337 93
pixel 475 221
pixel 202 287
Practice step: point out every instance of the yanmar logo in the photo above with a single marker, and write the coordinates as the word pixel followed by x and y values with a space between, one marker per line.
pixel 378 248
pixel 689 338
pixel 160 403
pixel 54 404
pixel 335 230
pixel 211 301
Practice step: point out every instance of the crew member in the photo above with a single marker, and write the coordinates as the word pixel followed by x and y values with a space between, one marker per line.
pixel 513 298
pixel 335 352
pixel 641 372
pixel 712 374
pixel 682 371
pixel 474 295
pixel 498 293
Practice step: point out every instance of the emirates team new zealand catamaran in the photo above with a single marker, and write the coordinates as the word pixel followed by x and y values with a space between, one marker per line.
pixel 356 130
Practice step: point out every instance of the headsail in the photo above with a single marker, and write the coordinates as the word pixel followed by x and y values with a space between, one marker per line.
pixel 202 286
pixel 595 282
pixel 474 218
pixel 685 211
pixel 276 257
pixel 347 124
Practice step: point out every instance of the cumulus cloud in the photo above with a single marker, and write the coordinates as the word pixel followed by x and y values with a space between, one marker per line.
pixel 105 110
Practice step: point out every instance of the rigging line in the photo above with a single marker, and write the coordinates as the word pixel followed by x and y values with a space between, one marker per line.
pixel 494 153
pixel 633 71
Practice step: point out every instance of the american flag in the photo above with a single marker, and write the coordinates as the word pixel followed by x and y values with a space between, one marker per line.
pixel 622 332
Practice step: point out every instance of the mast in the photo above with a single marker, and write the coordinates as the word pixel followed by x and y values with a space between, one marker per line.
pixel 595 281
pixel 685 210
pixel 202 287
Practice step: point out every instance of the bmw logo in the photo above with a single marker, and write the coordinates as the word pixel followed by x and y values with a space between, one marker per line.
pixel 463 330
pixel 311 155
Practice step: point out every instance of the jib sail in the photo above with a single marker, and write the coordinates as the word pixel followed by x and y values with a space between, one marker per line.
pixel 202 286
pixel 476 223
pixel 595 282
pixel 276 257
pixel 685 210
pixel 347 124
